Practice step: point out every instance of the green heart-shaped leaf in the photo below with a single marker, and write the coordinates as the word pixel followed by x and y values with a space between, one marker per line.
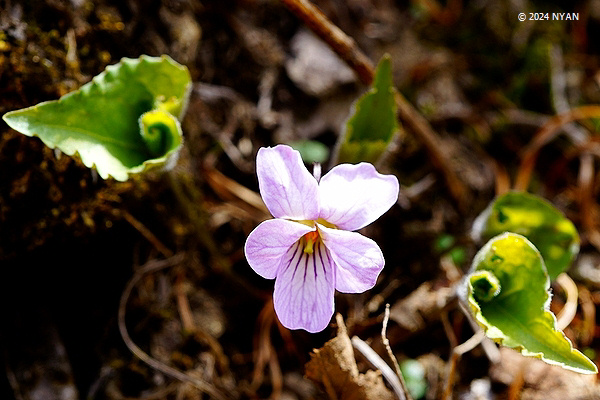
pixel 536 219
pixel 373 124
pixel 102 121
pixel 508 293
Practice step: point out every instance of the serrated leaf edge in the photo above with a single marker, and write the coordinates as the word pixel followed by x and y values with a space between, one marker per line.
pixel 500 340
pixel 167 160
pixel 484 324
pixel 95 84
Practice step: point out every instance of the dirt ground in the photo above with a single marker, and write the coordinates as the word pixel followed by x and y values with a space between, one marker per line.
pixel 72 245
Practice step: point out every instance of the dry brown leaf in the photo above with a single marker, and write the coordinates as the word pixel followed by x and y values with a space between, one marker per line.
pixel 421 306
pixel 334 367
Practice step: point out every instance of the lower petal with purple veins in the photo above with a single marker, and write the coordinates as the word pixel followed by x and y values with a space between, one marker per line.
pixel 304 288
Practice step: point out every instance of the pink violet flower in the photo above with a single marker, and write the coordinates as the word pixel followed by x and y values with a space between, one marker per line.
pixel 309 248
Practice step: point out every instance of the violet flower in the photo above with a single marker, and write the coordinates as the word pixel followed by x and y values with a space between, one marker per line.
pixel 309 248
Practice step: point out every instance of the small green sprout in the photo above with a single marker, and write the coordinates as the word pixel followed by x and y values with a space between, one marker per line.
pixel 373 124
pixel 414 376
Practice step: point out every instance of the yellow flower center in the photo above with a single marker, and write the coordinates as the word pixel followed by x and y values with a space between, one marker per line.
pixel 309 239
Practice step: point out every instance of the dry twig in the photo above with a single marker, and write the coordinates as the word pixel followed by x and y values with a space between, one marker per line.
pixel 153 266
pixel 229 189
pixel 568 312
pixel 587 202
pixel 457 353
pixel 386 343
pixel 183 305
pixel 548 132
pixel 588 309
pixel 346 48
pixel 381 365
pixel 502 178
pixel 141 228
pixel 514 391
pixel 489 347
pixel 264 352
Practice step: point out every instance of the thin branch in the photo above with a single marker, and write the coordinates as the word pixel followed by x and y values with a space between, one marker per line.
pixel 457 353
pixel 339 42
pixel 448 387
pixel 141 228
pixel 265 354
pixel 489 347
pixel 347 49
pixel 502 178
pixel 588 309
pixel 586 198
pixel 417 124
pixel 515 388
pixel 381 365
pixel 153 266
pixel 386 343
pixel 470 344
pixel 548 132
pixel 566 315
pixel 448 330
pixel 558 86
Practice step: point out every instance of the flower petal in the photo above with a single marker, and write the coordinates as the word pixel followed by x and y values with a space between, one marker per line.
pixel 353 196
pixel 268 242
pixel 358 259
pixel 304 289
pixel 287 188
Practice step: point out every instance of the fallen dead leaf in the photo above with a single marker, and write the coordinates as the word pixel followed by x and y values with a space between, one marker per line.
pixel 334 367
pixel 421 306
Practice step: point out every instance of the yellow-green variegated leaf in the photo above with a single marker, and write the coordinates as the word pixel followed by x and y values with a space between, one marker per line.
pixel 508 294
pixel 539 221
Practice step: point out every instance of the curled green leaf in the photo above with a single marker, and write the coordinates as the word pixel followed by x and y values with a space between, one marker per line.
pixel 159 130
pixel 484 285
pixel 100 122
pixel 508 294
pixel 539 221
